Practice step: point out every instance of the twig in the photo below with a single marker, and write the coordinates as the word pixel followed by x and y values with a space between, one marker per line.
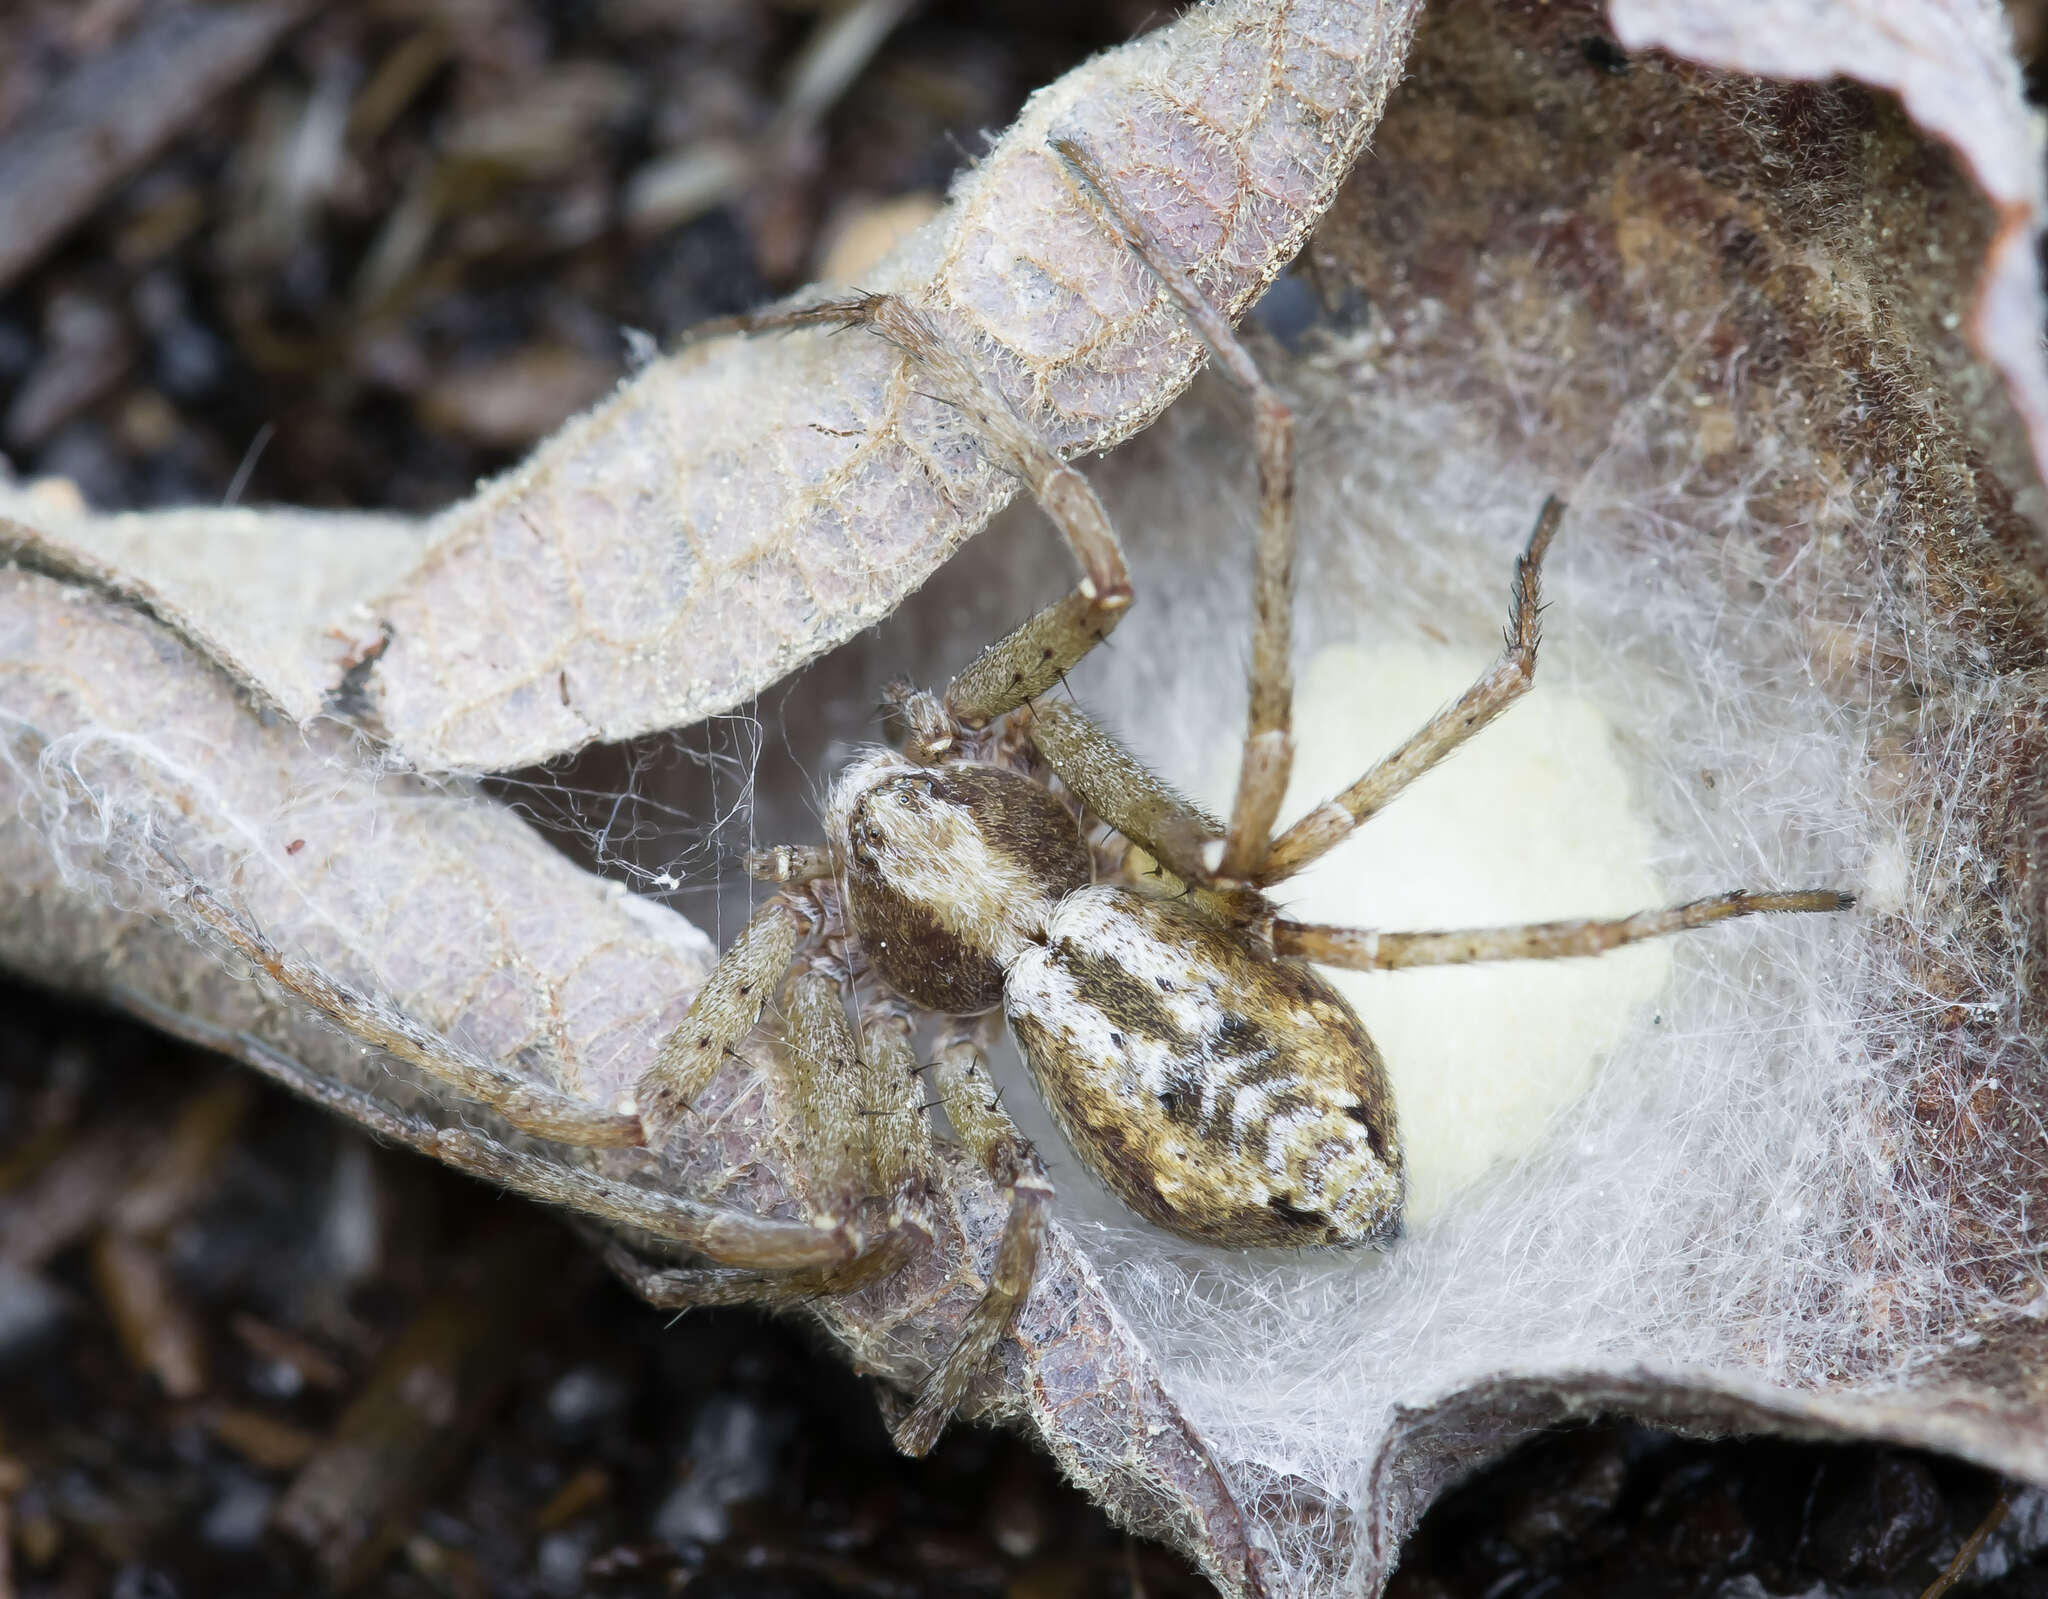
pixel 1966 1557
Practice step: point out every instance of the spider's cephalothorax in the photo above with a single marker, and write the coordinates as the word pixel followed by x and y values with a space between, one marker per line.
pixel 1008 859
pixel 950 871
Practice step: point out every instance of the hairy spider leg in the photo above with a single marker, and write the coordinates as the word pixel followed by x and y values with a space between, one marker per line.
pixel 1269 735
pixel 1038 654
pixel 1029 660
pixel 721 1014
pixel 1119 788
pixel 978 1117
pixel 1364 950
pixel 1330 823
pixel 790 863
pixel 1333 821
pixel 867 1137
pixel 529 1106
pixel 715 1231
pixel 831 1082
pixel 899 1130
pixel 896 1142
pixel 719 1233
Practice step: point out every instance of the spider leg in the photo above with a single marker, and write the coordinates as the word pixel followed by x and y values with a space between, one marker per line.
pixel 1120 789
pixel 867 1141
pixel 723 1012
pixel 986 1129
pixel 865 1117
pixel 529 1106
pixel 790 863
pixel 736 1237
pixel 701 1287
pixel 1364 950
pixel 1269 737
pixel 1334 820
pixel 1030 660
pixel 899 1132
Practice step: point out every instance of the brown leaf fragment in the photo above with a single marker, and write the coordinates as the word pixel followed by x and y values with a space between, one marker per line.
pixel 64 1200
pixel 262 1440
pixel 587 1488
pixel 518 399
pixel 288 1349
pixel 1952 65
pixel 184 1168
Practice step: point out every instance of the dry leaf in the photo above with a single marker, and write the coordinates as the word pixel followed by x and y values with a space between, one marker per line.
pixel 1803 585
pixel 738 508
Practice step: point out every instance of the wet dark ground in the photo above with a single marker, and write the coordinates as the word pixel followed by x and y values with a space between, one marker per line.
pixel 244 1352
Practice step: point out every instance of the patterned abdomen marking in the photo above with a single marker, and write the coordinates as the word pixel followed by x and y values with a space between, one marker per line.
pixel 1228 1096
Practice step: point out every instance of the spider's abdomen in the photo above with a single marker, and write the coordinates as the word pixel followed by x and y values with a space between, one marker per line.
pixel 950 871
pixel 1223 1093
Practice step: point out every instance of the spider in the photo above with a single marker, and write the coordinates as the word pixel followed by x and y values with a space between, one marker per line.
pixel 1006 859
pixel 987 865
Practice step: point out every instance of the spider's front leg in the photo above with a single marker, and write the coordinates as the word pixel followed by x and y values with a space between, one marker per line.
pixel 871 1140
pixel 724 1011
pixel 1030 660
pixel 866 1140
pixel 1268 758
pixel 532 1107
pixel 713 1231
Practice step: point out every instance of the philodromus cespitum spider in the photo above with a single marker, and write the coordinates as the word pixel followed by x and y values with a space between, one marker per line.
pixel 1006 860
